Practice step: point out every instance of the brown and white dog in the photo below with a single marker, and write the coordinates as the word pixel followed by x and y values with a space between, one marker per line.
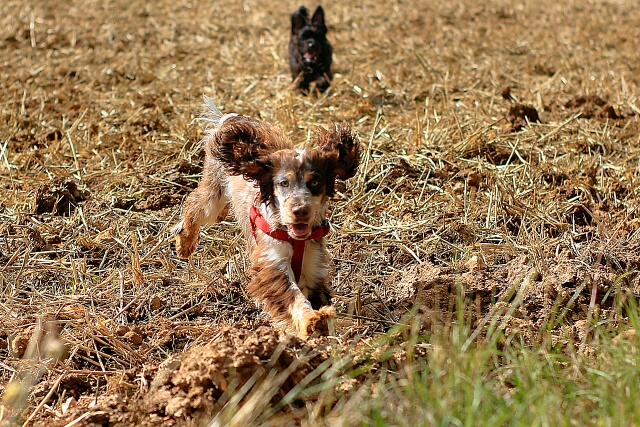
pixel 279 196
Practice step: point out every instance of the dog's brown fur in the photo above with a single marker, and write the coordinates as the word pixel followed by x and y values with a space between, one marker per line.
pixel 249 162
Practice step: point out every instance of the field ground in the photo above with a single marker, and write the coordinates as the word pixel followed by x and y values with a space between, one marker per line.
pixel 487 254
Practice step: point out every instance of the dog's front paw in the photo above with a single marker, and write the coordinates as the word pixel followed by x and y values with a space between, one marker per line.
pixel 316 322
pixel 322 85
pixel 185 241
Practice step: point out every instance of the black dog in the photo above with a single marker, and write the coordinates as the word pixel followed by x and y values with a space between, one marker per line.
pixel 309 50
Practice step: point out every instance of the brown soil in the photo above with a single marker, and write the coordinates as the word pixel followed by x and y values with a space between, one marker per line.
pixel 520 114
pixel 557 296
pixel 187 389
pixel 506 93
pixel 451 207
pixel 593 106
pixel 58 197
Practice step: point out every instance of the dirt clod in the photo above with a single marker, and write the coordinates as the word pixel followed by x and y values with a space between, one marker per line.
pixel 124 203
pixel 506 93
pixel 194 383
pixel 156 202
pixel 186 387
pixel 20 343
pixel 59 197
pixel 156 302
pixel 592 106
pixel 133 338
pixel 608 112
pixel 121 330
pixel 580 101
pixel 186 168
pixel 520 114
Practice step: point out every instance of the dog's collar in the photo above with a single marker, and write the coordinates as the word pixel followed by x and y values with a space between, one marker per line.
pixel 258 222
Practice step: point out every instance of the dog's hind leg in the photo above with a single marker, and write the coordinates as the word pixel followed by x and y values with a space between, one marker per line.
pixel 205 205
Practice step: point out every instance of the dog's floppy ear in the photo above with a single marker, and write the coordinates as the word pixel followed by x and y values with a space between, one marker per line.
pixel 299 18
pixel 318 18
pixel 343 144
pixel 243 145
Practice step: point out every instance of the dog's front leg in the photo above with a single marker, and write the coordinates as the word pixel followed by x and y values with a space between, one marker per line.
pixel 304 85
pixel 322 84
pixel 273 285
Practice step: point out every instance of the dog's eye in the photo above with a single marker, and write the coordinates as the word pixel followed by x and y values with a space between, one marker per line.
pixel 284 183
pixel 314 183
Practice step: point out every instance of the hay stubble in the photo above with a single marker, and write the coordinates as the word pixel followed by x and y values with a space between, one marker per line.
pixel 102 95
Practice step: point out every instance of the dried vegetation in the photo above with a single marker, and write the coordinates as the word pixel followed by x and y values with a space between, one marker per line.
pixel 501 166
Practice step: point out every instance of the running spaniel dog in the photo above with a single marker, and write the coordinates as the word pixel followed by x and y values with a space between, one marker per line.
pixel 309 50
pixel 279 196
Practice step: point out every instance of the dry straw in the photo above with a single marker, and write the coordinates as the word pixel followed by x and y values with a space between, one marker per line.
pixel 97 152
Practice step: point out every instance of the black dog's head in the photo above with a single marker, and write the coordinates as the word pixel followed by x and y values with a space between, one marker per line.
pixel 310 35
pixel 309 49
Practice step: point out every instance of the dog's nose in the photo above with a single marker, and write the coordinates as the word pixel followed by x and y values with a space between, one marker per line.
pixel 301 211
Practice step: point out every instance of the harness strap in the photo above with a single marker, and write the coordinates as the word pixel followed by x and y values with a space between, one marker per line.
pixel 258 221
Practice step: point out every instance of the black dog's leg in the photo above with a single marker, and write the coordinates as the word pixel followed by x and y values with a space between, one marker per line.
pixel 303 86
pixel 322 84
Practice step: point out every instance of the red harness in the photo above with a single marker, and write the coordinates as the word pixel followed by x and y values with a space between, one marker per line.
pixel 258 221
